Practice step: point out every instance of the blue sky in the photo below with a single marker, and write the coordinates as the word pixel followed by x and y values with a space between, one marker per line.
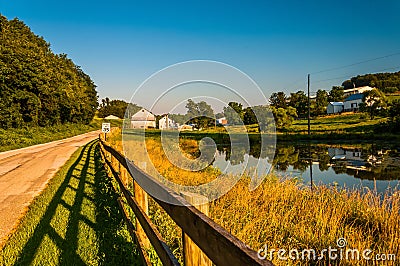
pixel 121 43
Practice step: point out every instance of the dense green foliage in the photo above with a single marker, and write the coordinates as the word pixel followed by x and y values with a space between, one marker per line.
pixel 234 113
pixel 373 102
pixel 38 87
pixel 118 108
pixel 386 82
pixel 336 94
pixel 299 101
pixel 278 99
pixel 321 102
pixel 200 113
pixel 393 123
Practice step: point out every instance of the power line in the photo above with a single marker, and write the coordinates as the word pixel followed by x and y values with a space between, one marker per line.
pixel 357 63
pixel 347 76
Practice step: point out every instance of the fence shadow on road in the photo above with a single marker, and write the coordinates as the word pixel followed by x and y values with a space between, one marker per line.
pixel 82 223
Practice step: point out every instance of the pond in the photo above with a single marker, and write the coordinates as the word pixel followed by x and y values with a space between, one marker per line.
pixel 364 166
pixel 373 166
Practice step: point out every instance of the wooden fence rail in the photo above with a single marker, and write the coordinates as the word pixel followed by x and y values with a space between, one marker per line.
pixel 214 244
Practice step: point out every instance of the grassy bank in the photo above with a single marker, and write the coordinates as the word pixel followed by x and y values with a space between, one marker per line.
pixel 74 221
pixel 15 138
pixel 285 214
pixel 341 127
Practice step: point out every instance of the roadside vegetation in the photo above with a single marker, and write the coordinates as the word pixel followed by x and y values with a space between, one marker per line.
pixel 14 138
pixel 38 87
pixel 283 213
pixel 74 221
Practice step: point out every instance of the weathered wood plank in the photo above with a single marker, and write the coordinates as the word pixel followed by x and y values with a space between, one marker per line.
pixel 192 254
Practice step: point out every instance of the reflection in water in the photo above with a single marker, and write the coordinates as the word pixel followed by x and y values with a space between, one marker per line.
pixel 368 165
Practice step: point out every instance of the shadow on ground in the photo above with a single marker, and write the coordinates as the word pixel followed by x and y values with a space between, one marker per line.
pixel 82 224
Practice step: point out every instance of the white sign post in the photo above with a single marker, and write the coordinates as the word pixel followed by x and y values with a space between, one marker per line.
pixel 105 128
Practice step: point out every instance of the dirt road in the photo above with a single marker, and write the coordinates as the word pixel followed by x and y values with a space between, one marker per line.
pixel 25 172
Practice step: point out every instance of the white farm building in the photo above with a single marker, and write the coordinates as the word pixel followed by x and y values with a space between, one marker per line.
pixel 167 123
pixel 352 103
pixel 143 119
pixel 335 108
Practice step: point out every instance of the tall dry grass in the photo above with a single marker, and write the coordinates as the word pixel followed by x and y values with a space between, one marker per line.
pixel 284 214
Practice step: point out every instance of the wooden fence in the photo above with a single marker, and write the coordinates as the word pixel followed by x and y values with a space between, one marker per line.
pixel 204 241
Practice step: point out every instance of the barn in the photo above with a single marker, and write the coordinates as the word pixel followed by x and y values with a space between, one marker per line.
pixel 143 119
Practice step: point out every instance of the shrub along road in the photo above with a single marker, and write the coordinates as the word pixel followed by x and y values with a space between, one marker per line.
pixel 25 172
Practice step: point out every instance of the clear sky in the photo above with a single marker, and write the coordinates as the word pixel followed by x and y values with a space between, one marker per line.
pixel 121 43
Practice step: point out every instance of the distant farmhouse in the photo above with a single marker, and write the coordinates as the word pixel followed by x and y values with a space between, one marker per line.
pixel 167 123
pixel 352 102
pixel 354 98
pixel 222 121
pixel 335 108
pixel 143 119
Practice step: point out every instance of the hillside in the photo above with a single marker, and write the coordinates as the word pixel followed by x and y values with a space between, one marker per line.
pixel 386 82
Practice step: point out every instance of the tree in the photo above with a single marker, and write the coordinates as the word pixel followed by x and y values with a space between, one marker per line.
pixel 249 118
pixel 299 101
pixel 234 113
pixel 178 118
pixel 118 108
pixel 263 115
pixel 336 94
pixel 373 101
pixel 38 87
pixel 284 117
pixel 200 113
pixel 278 99
pixel 321 102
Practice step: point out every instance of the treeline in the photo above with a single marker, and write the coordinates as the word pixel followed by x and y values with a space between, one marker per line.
pixel 299 101
pixel 38 87
pixel 118 108
pixel 386 82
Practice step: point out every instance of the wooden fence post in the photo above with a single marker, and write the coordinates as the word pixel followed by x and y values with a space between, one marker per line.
pixel 192 254
pixel 142 200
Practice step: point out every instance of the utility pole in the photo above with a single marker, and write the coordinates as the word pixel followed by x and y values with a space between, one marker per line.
pixel 309 107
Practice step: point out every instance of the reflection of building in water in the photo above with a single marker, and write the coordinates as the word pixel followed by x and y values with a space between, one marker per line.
pixel 337 153
pixel 353 157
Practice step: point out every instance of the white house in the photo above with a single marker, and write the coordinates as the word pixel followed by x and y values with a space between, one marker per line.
pixel 335 107
pixel 352 103
pixel 143 119
pixel 167 123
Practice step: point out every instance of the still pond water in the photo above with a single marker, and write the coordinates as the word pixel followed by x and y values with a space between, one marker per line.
pixel 366 166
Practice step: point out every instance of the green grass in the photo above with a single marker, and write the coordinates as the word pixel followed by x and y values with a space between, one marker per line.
pixel 74 221
pixel 15 138
pixel 346 123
